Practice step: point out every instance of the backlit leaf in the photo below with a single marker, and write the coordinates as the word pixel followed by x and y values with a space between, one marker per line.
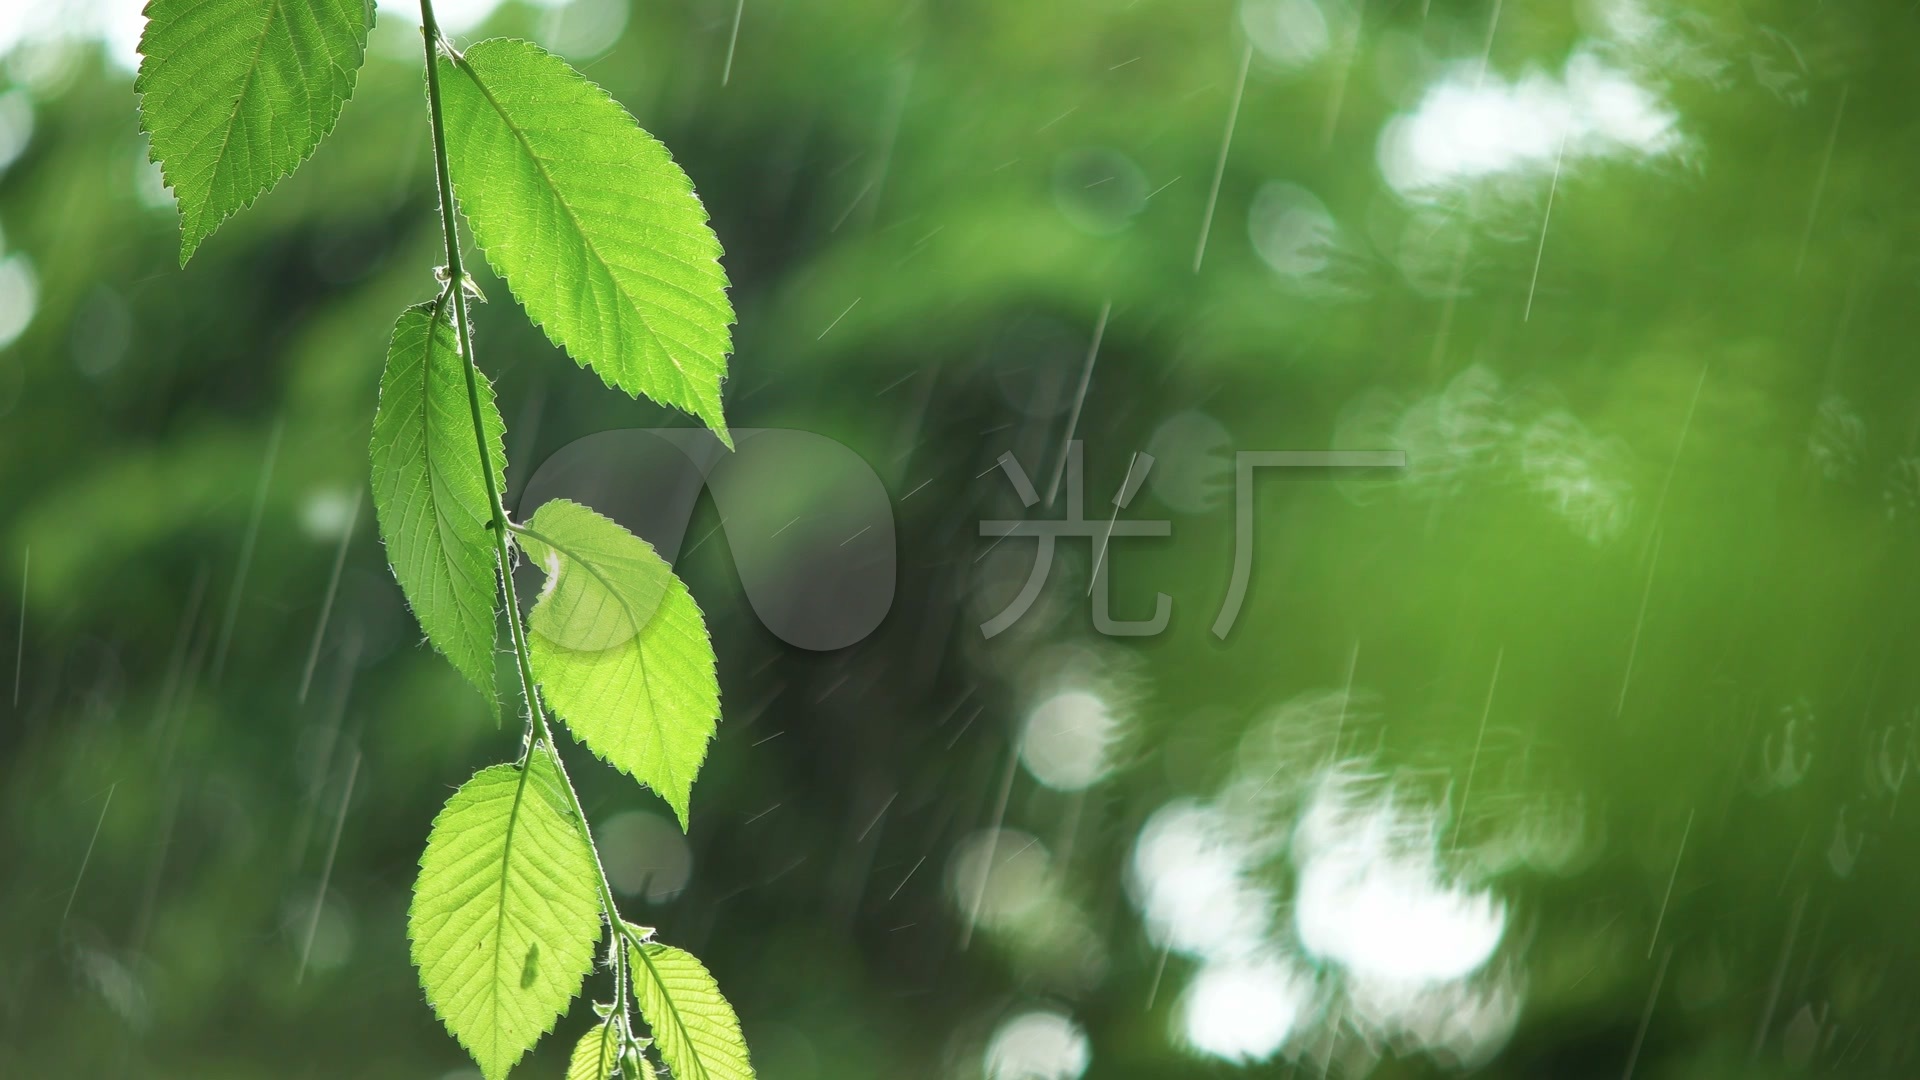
pixel 429 492
pixel 234 94
pixel 694 1029
pixel 505 914
pixel 594 227
pixel 597 1053
pixel 620 649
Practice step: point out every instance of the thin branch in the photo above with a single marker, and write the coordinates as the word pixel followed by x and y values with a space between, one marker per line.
pixel 538 730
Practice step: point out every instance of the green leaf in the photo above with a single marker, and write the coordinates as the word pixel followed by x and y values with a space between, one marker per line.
pixel 694 1028
pixel 595 229
pixel 597 1054
pixel 234 94
pixel 505 916
pixel 620 649
pixel 429 492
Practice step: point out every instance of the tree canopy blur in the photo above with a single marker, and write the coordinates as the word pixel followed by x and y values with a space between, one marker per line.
pixel 1576 746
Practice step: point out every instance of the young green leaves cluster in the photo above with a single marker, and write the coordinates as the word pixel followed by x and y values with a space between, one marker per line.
pixel 600 237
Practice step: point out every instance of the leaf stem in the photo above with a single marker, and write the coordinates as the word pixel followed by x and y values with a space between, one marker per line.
pixel 499 525
pixel 456 273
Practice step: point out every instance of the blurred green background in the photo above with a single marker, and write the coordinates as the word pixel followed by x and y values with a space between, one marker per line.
pixel 1575 748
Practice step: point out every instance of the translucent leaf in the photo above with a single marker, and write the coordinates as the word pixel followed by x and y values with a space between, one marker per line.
pixel 694 1029
pixel 429 492
pixel 620 649
pixel 234 94
pixel 505 915
pixel 596 1055
pixel 597 232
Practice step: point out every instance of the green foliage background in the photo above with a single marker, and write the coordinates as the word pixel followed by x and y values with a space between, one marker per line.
pixel 916 259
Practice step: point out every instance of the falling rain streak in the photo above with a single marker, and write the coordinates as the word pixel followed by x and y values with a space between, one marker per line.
pixel 20 636
pixel 1639 624
pixel 333 589
pixel 245 561
pixel 1220 166
pixel 1646 1015
pixel 1479 739
pixel 1667 898
pixel 1079 399
pixel 1272 860
pixel 1820 184
pixel 81 874
pixel 733 39
pixel 1546 218
pixel 326 870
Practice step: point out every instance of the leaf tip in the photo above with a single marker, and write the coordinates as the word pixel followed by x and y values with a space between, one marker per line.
pixel 710 413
